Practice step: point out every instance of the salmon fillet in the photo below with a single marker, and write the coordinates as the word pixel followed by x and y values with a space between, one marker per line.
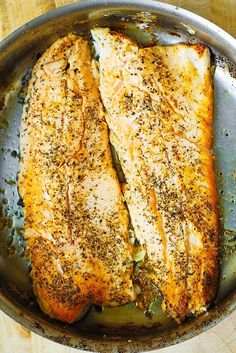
pixel 159 104
pixel 76 224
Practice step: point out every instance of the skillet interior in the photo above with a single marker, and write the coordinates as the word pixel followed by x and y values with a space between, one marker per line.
pixel 123 329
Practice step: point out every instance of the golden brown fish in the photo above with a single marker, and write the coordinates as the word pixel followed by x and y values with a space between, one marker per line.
pixel 159 110
pixel 76 225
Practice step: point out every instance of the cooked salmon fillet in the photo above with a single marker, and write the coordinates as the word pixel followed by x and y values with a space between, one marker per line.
pixel 159 104
pixel 76 224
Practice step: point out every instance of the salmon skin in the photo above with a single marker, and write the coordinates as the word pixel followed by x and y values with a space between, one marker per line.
pixel 159 103
pixel 76 224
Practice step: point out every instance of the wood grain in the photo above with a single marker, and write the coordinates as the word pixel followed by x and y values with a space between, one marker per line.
pixel 16 339
pixel 14 13
pixel 13 337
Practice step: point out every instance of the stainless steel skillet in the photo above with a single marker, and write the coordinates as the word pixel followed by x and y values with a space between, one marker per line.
pixel 124 329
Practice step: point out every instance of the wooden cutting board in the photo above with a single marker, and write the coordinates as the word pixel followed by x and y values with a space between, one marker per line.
pixel 13 337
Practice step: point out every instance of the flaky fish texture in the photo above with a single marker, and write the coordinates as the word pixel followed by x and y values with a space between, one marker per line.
pixel 159 104
pixel 76 225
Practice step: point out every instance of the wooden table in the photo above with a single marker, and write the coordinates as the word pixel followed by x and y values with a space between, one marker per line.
pixel 13 337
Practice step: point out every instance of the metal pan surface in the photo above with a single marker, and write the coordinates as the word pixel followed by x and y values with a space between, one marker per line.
pixel 123 329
